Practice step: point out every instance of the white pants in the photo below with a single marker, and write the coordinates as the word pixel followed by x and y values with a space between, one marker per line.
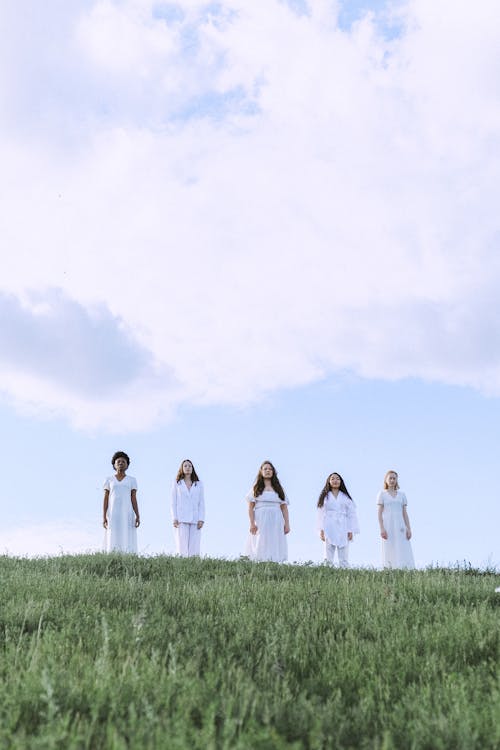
pixel 342 552
pixel 187 539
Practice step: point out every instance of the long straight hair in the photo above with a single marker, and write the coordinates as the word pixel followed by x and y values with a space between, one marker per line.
pixel 180 473
pixel 326 489
pixel 258 487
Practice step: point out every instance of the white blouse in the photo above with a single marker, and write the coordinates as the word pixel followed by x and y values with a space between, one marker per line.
pixel 337 518
pixel 187 505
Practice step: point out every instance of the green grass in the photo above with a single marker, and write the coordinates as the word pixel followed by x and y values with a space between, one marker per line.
pixel 109 651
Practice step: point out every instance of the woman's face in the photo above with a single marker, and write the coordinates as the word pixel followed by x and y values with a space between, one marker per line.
pixel 392 480
pixel 187 468
pixel 334 481
pixel 267 471
pixel 120 465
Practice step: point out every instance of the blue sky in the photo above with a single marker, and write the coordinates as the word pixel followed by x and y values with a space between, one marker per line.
pixel 235 233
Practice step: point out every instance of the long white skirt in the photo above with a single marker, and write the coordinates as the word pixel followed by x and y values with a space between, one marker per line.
pixel 396 549
pixel 269 543
pixel 121 534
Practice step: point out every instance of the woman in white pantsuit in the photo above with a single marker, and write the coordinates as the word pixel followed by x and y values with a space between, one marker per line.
pixel 394 524
pixel 188 510
pixel 268 514
pixel 337 519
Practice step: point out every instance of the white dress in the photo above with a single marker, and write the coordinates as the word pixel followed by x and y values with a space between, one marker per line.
pixel 269 543
pixel 396 549
pixel 121 534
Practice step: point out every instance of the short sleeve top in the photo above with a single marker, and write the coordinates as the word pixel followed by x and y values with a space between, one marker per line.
pixel 268 496
pixel 120 490
pixel 384 497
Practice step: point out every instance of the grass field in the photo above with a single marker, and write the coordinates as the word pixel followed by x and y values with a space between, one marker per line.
pixel 105 651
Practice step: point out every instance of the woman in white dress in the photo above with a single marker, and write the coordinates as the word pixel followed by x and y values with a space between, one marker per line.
pixel 120 510
pixel 268 514
pixel 337 519
pixel 394 524
pixel 188 510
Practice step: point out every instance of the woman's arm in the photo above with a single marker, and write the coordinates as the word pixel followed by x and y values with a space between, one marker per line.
pixel 320 516
pixel 383 532
pixel 284 510
pixel 352 519
pixel 173 505
pixel 201 506
pixel 407 522
pixel 133 499
pixel 105 509
pixel 251 515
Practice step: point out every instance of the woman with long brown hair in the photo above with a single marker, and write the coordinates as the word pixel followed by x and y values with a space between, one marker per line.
pixel 188 509
pixel 268 514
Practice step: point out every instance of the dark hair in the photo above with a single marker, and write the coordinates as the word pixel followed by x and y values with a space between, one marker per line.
pixel 120 454
pixel 180 474
pixel 258 487
pixel 326 489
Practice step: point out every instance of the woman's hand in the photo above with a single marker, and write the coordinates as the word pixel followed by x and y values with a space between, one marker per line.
pixel 349 536
pixel 383 533
pixel 408 532
pixel 322 535
pixel 105 523
pixel 253 529
pixel 137 522
pixel 176 523
pixel 199 525
pixel 287 528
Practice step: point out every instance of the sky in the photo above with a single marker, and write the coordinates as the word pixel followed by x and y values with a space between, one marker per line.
pixel 240 231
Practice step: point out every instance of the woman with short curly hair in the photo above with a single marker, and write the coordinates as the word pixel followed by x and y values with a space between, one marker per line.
pixel 120 509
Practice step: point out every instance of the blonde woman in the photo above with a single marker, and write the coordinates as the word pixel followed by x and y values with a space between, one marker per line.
pixel 394 523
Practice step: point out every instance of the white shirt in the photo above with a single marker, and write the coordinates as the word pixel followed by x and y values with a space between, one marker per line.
pixel 188 505
pixel 337 518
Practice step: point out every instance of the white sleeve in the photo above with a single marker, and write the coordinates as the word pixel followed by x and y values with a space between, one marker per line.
pixel 320 518
pixel 249 498
pixel 380 499
pixel 201 503
pixel 405 501
pixel 173 503
pixel 107 484
pixel 133 483
pixel 352 517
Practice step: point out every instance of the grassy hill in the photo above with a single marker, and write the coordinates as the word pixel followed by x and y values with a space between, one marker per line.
pixel 105 651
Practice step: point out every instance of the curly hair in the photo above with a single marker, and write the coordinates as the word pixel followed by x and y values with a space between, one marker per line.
pixel 326 489
pixel 180 473
pixel 258 487
pixel 120 454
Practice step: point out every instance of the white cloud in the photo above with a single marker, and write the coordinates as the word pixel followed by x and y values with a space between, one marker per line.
pixel 260 197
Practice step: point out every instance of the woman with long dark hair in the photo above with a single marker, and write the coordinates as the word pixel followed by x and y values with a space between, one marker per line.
pixel 268 514
pixel 337 519
pixel 188 509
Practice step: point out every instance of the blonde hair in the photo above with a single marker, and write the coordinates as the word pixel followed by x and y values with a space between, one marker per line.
pixel 391 471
